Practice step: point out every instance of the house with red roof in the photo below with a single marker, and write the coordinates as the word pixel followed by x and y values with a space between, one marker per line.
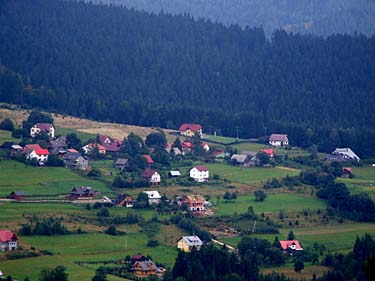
pixel 41 155
pixel 89 147
pixel 279 140
pixel 269 151
pixel 148 159
pixel 42 127
pixel 151 176
pixel 8 240
pixel 30 147
pixel 194 203
pixel 111 144
pixel 189 130
pixel 290 245
pixel 199 173
pixel 347 172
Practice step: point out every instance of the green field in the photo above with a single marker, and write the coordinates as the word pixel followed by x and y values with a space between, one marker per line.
pixel 363 181
pixel 338 237
pixel 84 137
pixel 220 139
pixel 7 136
pixel 273 203
pixel 249 175
pixel 16 176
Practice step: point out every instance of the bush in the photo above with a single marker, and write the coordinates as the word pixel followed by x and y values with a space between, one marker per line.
pixel 260 195
pixel 104 212
pixel 111 230
pixel 298 266
pixel 152 243
pixel 7 125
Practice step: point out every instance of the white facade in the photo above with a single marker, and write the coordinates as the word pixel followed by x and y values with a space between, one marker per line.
pixel 35 130
pixel 39 157
pixel 199 175
pixel 153 197
pixel 155 178
pixel 8 246
pixel 278 140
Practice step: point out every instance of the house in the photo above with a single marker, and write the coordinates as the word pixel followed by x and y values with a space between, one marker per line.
pixel 151 176
pixel 138 257
pixel 144 268
pixel 75 160
pixel 30 147
pixel 189 130
pixel 153 197
pixel 205 146
pixel 42 127
pixel 121 164
pixel 124 200
pixel 279 140
pixel 239 159
pixel 175 150
pixel 186 147
pixel 174 174
pixel 17 195
pixel 111 144
pixel 200 173
pixel 219 153
pixel 269 151
pixel 57 145
pixel 347 172
pixel 186 243
pixel 8 240
pixel 149 160
pixel 194 203
pixel 82 193
pixel 89 147
pixel 41 156
pixel 288 245
pixel 346 154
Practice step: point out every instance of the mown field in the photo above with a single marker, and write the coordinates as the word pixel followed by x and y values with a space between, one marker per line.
pixel 7 136
pixel 249 175
pixel 17 176
pixel 363 181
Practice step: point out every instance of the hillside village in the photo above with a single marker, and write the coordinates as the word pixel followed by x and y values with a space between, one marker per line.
pixel 185 181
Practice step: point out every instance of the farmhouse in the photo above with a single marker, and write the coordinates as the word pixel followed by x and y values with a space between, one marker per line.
pixel 91 146
pixel 279 140
pixel 82 193
pixel 347 172
pixel 205 146
pixel 186 243
pixel 186 147
pixel 8 240
pixel 194 203
pixel 17 195
pixel 151 176
pixel 41 156
pixel 269 151
pixel 344 154
pixel 200 173
pixel 189 130
pixel 42 127
pixel 124 200
pixel 144 268
pixel 121 164
pixel 288 245
pixel 55 146
pixel 240 159
pixel 111 145
pixel 75 160
pixel 153 197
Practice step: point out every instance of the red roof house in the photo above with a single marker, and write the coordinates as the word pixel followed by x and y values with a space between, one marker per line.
pixel 189 130
pixel 279 140
pixel 148 159
pixel 8 240
pixel 269 151
pixel 290 245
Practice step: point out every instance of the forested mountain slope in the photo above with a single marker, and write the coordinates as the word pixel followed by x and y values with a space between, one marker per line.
pixel 320 17
pixel 110 63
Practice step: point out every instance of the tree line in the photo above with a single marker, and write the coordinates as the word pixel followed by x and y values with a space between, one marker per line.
pixel 114 64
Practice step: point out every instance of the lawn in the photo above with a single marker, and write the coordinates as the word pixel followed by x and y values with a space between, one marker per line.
pixel 249 175
pixel 16 176
pixel 363 181
pixel 220 139
pixel 273 203
pixel 7 136
pixel 338 237
pixel 84 137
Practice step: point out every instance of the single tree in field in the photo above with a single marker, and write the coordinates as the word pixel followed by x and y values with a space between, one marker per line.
pixel 298 266
pixel 260 195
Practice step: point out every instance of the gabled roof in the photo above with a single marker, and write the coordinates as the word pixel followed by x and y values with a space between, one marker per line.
pixel 239 158
pixel 347 170
pixel 41 152
pixel 192 127
pixel 121 161
pixel 148 159
pixel 201 168
pixel 144 266
pixel 112 147
pixel 148 173
pixel 153 194
pixel 7 235
pixel 187 144
pixel 192 240
pixel 194 198
pixel 83 190
pixel 290 244
pixel 44 126
pixel 32 147
pixel 278 137
pixel 175 173
pixel 72 150
pixel 268 151
pixel 121 197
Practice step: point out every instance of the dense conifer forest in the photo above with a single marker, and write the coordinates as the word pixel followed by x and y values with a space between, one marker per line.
pixel 320 17
pixel 111 63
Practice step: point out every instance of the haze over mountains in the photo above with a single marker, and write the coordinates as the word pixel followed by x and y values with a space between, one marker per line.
pixel 320 17
pixel 115 64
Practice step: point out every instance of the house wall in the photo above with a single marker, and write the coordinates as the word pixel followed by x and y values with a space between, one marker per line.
pixel 199 176
pixel 155 178
pixel 39 158
pixel 8 246
pixel 183 246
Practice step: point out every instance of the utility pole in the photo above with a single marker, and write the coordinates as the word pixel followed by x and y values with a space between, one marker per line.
pixel 237 133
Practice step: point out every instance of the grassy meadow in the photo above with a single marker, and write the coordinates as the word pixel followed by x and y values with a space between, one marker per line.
pixel 7 136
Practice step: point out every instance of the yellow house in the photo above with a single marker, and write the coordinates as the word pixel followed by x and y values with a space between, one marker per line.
pixel 186 243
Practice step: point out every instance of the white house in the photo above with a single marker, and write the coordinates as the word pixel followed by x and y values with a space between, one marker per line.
pixel 41 155
pixel 153 197
pixel 8 240
pixel 186 243
pixel 42 127
pixel 278 140
pixel 347 154
pixel 200 173
pixel 151 176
